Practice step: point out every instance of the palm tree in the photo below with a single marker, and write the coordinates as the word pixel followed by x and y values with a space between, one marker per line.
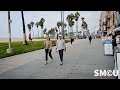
pixel 41 23
pixel 47 34
pixel 84 24
pixel 29 27
pixel 71 22
pixel 77 15
pixel 64 25
pixel 59 24
pixel 32 24
pixel 56 29
pixel 9 50
pixel 37 25
pixel 24 31
pixel 44 31
pixel 68 20
pixel 52 32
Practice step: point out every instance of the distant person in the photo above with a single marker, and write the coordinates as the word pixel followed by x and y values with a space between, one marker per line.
pixel 90 39
pixel 71 40
pixel 57 36
pixel 48 49
pixel 30 37
pixel 60 46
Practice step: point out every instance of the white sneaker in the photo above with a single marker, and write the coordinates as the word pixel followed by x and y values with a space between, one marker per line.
pixel 46 63
pixel 61 63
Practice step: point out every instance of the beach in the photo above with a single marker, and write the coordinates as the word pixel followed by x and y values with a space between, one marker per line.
pixel 13 39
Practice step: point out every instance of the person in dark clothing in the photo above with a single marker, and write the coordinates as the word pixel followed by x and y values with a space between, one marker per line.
pixel 90 38
pixel 71 40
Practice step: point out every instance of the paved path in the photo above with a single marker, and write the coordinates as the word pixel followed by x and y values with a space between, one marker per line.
pixel 80 61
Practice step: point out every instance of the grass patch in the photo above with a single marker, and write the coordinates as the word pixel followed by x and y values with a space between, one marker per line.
pixel 19 48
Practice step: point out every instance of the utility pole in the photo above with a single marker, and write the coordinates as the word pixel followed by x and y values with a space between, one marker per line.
pixel 9 50
pixel 62 21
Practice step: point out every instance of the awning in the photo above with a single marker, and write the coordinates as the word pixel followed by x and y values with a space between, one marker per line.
pixel 116 29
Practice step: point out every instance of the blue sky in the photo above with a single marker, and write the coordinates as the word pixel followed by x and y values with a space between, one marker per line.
pixel 51 18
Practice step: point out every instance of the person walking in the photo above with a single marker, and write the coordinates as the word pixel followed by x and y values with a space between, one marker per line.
pixel 90 38
pixel 60 47
pixel 30 37
pixel 48 49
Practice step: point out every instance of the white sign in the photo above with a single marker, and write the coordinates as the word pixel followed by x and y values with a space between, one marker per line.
pixel 118 64
pixel 10 21
pixel 108 50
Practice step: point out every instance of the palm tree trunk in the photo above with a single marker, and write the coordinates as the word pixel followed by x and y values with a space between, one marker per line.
pixel 59 30
pixel 33 32
pixel 68 28
pixel 24 32
pixel 38 32
pixel 43 35
pixel 72 29
pixel 76 26
pixel 70 32
pixel 41 32
pixel 77 29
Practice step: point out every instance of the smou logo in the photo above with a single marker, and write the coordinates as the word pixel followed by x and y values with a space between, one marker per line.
pixel 106 73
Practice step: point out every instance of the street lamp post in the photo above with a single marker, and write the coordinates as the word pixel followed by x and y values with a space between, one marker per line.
pixel 9 50
pixel 62 21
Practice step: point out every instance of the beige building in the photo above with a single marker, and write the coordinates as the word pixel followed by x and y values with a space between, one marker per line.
pixel 107 22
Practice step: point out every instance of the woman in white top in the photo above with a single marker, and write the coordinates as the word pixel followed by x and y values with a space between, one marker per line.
pixel 60 46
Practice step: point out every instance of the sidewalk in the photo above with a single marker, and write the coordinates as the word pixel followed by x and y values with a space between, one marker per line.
pixel 18 60
pixel 80 61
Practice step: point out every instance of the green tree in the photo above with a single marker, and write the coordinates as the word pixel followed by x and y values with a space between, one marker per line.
pixel 84 24
pixel 37 25
pixel 51 32
pixel 41 24
pixel 44 31
pixel 77 15
pixel 29 28
pixel 32 24
pixel 59 24
pixel 70 21
pixel 56 30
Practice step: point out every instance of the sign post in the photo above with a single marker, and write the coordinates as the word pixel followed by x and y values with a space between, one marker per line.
pixel 108 49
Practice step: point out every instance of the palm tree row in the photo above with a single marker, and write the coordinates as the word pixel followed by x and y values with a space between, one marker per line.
pixel 41 24
pixel 70 19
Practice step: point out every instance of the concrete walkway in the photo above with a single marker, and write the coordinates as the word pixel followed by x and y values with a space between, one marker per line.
pixel 80 61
